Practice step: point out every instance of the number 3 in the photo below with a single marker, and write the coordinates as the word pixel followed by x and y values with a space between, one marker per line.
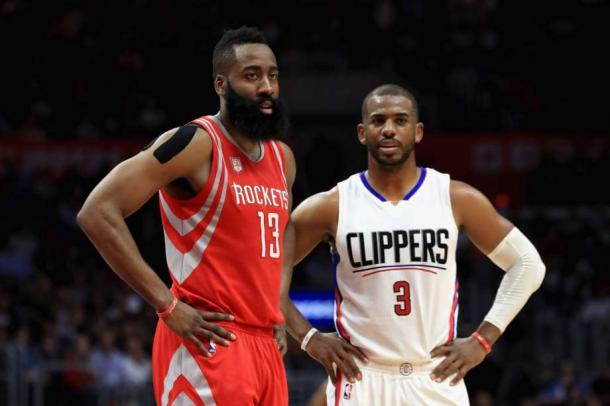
pixel 403 298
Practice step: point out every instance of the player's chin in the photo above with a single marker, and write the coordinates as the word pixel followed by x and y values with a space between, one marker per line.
pixel 395 158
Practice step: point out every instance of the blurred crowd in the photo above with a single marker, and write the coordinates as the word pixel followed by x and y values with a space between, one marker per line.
pixel 134 68
pixel 72 333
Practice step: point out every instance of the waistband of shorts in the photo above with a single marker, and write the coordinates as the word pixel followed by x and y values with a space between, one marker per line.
pixel 247 328
pixel 400 369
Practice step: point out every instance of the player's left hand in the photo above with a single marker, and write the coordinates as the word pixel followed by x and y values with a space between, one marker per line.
pixel 279 333
pixel 461 356
pixel 330 350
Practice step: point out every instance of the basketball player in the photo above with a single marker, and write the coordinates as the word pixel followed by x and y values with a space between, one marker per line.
pixel 224 186
pixel 393 232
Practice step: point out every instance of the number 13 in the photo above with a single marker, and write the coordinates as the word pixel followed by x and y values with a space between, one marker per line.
pixel 273 222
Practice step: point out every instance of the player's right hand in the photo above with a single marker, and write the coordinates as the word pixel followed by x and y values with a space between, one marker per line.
pixel 329 349
pixel 192 324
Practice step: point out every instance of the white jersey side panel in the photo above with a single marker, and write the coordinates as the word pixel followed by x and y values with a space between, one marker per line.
pixel 396 274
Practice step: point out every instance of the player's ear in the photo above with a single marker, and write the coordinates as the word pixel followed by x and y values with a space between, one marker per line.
pixel 419 132
pixel 361 133
pixel 220 84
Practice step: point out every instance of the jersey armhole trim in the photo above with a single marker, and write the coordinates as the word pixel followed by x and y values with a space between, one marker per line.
pixel 450 204
pixel 279 155
pixel 205 190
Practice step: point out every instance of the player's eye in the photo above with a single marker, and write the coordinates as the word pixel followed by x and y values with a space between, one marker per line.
pixel 274 76
pixel 251 75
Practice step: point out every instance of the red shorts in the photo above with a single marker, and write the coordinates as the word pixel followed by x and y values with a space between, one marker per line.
pixel 248 372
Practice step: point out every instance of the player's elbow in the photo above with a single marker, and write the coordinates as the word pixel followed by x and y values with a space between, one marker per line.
pixel 85 218
pixel 540 272
pixel 534 268
pixel 90 218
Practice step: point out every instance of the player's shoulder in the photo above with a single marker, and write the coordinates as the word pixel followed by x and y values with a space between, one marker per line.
pixel 328 197
pixel 320 204
pixel 190 131
pixel 289 161
pixel 286 151
pixel 283 145
pixel 189 140
pixel 461 191
pixel 181 152
pixel 467 201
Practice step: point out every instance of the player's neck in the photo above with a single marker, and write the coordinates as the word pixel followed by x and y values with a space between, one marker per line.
pixel 393 183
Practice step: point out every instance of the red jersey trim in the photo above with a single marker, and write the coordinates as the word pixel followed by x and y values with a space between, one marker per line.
pixel 184 232
pixel 220 132
pixel 339 324
pixel 185 254
pixel 452 318
pixel 279 155
pixel 185 208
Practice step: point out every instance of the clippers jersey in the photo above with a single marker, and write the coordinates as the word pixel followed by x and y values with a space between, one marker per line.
pixel 397 290
pixel 224 246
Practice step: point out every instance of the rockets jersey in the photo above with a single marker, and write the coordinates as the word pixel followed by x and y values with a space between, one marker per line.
pixel 224 246
pixel 397 291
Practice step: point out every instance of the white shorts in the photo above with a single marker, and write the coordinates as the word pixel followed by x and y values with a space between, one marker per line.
pixel 400 385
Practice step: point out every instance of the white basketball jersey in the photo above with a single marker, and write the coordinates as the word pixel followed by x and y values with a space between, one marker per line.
pixel 397 291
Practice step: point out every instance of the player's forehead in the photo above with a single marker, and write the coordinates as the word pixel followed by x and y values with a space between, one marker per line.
pixel 254 55
pixel 389 105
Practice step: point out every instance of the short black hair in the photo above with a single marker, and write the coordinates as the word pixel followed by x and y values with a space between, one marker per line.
pixel 224 51
pixel 390 89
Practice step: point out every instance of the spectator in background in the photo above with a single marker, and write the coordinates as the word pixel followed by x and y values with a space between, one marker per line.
pixel 50 357
pixel 138 372
pixel 568 389
pixel 109 362
pixel 78 377
pixel 21 359
pixel 136 364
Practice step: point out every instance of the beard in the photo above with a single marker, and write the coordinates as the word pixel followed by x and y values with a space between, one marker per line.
pixel 246 116
pixel 386 161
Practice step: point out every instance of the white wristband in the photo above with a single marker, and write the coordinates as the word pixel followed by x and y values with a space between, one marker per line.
pixel 307 337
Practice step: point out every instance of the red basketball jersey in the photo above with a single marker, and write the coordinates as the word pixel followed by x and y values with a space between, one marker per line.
pixel 224 245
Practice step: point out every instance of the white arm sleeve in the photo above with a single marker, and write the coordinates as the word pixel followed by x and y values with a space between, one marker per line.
pixel 524 273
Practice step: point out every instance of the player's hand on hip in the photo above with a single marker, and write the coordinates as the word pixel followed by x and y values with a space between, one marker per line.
pixel 461 356
pixel 329 349
pixel 192 324
pixel 279 333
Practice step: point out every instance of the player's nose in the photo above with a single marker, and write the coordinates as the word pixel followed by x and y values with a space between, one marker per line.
pixel 388 129
pixel 265 87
